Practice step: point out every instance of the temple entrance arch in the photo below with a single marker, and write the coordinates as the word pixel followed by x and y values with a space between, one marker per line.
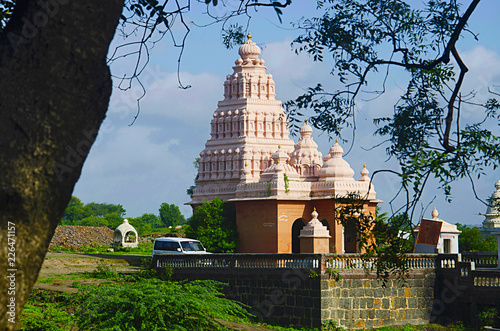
pixel 296 227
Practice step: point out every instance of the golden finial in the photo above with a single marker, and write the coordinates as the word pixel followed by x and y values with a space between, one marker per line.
pixel 278 161
pixel 279 146
pixel 364 166
pixel 249 36
pixel 314 209
pixel 336 140
pixel 246 164
pixel 305 121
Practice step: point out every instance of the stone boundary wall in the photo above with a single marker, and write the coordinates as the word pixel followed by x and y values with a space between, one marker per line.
pixel 284 296
pixel 359 300
pixel 301 297
pixel 297 289
pixel 465 289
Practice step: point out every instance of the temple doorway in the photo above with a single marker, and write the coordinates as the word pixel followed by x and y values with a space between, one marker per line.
pixel 296 227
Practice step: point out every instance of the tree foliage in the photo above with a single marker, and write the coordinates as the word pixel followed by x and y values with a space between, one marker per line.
pixel 75 211
pixel 471 240
pixel 93 214
pixel 427 133
pixel 102 209
pixel 170 215
pixel 196 164
pixel 213 223
pixel 111 215
pixel 145 223
pixel 376 236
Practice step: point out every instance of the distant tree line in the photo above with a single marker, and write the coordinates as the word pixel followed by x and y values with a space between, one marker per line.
pixel 112 215
pixel 471 240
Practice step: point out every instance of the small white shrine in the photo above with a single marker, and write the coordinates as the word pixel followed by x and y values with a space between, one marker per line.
pixel 315 237
pixel 448 237
pixel 125 235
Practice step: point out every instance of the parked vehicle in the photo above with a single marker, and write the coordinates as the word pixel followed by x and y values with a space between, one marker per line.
pixel 172 245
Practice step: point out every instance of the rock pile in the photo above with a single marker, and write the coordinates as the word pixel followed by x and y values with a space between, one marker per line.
pixel 75 236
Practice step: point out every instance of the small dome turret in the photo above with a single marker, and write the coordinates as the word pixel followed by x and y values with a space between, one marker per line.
pixel 364 175
pixel 306 158
pixel 335 167
pixel 249 50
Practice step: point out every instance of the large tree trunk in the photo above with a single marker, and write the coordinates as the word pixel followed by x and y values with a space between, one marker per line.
pixel 54 92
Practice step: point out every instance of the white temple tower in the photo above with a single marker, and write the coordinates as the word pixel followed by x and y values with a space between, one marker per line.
pixel 246 129
pixel 273 183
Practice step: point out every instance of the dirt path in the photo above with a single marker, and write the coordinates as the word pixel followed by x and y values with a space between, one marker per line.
pixel 60 270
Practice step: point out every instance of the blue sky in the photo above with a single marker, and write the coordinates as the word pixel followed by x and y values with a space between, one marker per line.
pixel 144 165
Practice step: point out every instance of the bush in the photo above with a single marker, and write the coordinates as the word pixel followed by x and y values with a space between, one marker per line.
pixel 46 310
pixel 102 272
pixel 213 223
pixel 153 304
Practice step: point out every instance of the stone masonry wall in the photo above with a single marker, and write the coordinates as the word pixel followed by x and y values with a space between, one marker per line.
pixel 361 301
pixel 286 296
pixel 302 298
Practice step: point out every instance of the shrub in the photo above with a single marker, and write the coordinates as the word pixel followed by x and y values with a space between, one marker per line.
pixel 213 224
pixel 102 272
pixel 153 304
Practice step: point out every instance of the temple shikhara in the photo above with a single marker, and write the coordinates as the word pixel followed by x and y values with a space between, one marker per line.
pixel 277 186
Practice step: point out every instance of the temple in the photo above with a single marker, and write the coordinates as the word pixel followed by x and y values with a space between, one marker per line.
pixel 273 182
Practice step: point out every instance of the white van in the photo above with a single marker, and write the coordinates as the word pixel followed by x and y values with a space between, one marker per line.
pixel 173 245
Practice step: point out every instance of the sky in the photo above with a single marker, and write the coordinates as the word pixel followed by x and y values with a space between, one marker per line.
pixel 143 165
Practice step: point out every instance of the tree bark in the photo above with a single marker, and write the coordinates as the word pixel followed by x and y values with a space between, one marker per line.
pixel 54 93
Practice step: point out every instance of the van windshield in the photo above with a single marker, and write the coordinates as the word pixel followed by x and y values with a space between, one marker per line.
pixel 192 246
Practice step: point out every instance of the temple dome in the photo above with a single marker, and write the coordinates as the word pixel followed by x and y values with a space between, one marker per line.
pixel 335 167
pixel 280 164
pixel 492 216
pixel 306 158
pixel 249 50
pixel 306 130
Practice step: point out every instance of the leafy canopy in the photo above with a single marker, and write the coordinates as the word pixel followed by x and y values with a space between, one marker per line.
pixel 376 235
pixel 93 214
pixel 429 136
pixel 170 215
pixel 471 240
pixel 427 133
pixel 213 223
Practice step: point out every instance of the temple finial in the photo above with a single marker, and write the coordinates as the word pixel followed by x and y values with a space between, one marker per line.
pixel 305 121
pixel 249 36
